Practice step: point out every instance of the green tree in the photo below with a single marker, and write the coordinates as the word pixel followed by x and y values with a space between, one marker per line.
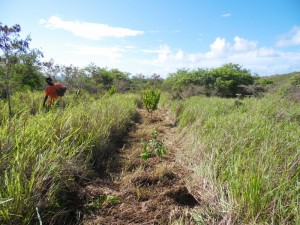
pixel 120 80
pixel 228 79
pixel 185 83
pixel 295 79
pixel 99 77
pixel 26 74
pixel 155 80
pixel 12 47
pixel 151 98
pixel 138 82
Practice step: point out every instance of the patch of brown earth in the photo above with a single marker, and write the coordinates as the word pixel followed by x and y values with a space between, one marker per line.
pixel 142 192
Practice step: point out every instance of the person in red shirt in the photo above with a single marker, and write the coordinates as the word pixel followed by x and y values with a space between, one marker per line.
pixel 52 93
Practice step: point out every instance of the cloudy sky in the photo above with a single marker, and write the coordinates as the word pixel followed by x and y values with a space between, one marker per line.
pixel 161 36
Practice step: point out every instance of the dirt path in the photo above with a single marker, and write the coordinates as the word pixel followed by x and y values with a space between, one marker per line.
pixel 135 191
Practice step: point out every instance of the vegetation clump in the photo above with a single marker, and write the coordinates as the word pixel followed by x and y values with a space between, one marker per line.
pixel 153 146
pixel 225 81
pixel 151 99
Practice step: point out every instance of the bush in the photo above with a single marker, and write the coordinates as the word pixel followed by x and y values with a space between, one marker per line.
pixel 150 99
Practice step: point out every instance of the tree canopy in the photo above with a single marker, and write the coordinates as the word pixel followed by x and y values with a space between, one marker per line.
pixel 224 81
pixel 21 68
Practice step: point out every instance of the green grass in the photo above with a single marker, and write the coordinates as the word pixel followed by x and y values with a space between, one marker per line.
pixel 44 155
pixel 280 81
pixel 245 159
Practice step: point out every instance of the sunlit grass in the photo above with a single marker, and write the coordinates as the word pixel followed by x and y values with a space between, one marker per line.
pixel 43 153
pixel 245 159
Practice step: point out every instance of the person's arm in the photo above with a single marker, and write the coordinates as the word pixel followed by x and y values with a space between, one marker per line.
pixel 45 99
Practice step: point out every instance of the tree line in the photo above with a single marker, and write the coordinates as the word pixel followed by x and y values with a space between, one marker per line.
pixel 22 68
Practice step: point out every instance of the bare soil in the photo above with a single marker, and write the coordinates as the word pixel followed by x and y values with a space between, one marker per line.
pixel 134 191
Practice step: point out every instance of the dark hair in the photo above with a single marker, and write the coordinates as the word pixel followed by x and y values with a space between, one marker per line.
pixel 49 79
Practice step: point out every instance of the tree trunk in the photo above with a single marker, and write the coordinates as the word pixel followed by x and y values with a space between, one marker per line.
pixel 8 88
pixel 8 101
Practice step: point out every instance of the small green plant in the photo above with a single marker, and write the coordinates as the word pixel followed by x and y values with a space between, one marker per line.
pixel 153 146
pixel 157 145
pixel 112 90
pixel 151 98
pixel 146 153
pixel 102 200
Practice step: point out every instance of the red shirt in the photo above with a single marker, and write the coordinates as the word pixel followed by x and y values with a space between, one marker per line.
pixel 51 93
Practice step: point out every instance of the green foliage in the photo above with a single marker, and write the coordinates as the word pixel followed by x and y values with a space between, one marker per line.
pixel 20 64
pixel 264 81
pixel 101 201
pixel 43 154
pixel 105 78
pixel 151 98
pixel 139 82
pixel 228 79
pixel 179 83
pixel 112 90
pixel 224 81
pixel 179 79
pixel 290 86
pixel 280 82
pixel 153 146
pixel 156 145
pixel 248 158
pixel 295 80
pixel 146 153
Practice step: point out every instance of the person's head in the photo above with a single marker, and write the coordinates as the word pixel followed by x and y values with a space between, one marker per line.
pixel 49 81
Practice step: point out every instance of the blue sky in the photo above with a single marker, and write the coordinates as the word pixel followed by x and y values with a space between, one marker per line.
pixel 161 36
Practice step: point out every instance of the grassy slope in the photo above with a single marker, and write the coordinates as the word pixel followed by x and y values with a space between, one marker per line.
pixel 280 81
pixel 245 159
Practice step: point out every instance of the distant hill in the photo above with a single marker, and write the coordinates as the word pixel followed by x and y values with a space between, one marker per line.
pixel 279 80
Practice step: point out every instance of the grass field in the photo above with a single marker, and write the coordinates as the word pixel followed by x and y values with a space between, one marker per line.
pixel 43 155
pixel 245 159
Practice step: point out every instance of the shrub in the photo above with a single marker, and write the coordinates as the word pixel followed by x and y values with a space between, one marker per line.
pixel 112 90
pixel 151 98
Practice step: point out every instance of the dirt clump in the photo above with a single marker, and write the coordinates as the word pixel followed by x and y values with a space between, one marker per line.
pixel 182 196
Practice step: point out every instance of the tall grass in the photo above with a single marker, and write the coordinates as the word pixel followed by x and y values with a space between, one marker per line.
pixel 43 156
pixel 245 159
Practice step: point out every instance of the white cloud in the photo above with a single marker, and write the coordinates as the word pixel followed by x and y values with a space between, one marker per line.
pixel 290 39
pixel 242 45
pixel 164 59
pixel 219 48
pixel 163 53
pixel 226 15
pixel 179 55
pixel 267 52
pixel 264 60
pixel 92 31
